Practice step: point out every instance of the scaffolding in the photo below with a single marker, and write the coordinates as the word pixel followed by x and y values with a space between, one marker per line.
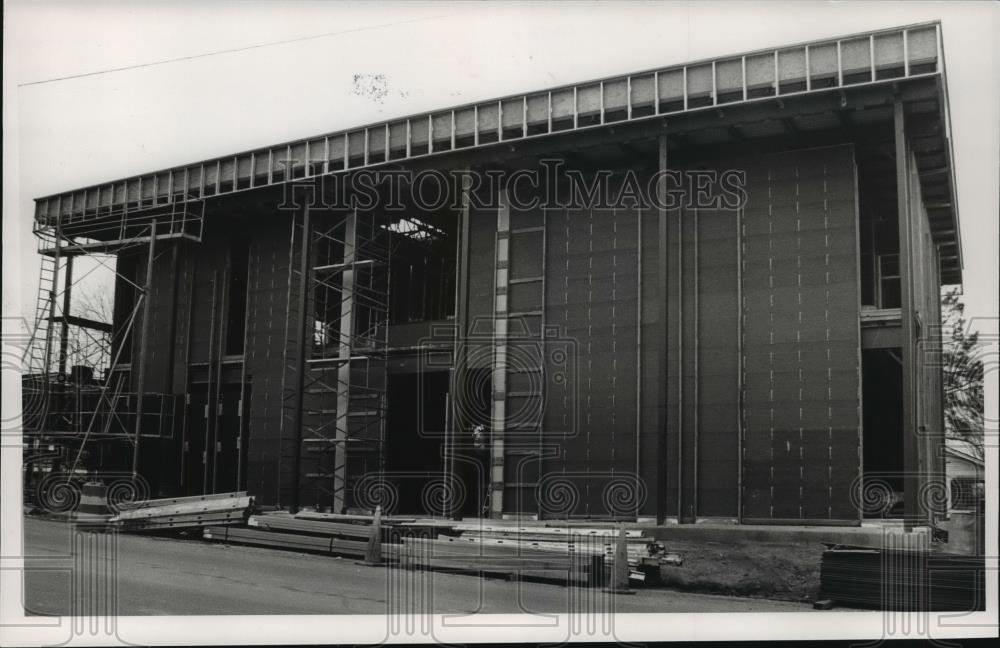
pixel 66 406
pixel 334 381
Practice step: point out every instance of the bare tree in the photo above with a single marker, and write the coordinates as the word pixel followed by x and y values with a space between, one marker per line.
pixel 962 373
pixel 90 347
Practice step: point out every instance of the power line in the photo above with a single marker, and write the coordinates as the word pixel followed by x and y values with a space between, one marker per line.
pixel 225 51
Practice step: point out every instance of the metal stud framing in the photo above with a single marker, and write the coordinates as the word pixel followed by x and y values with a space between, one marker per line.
pixel 544 123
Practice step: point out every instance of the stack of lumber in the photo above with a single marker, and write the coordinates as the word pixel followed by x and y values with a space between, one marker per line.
pixel 645 555
pixel 411 544
pixel 312 532
pixel 183 512
pixel 394 527
pixel 455 554
pixel 906 580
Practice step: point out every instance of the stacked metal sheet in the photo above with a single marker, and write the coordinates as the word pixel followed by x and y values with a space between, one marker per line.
pixel 183 512
pixel 299 533
pixel 644 554
pixel 905 580
pixel 327 544
pixel 508 560
pixel 414 544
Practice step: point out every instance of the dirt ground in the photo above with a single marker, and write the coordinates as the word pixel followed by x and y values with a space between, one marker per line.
pixel 783 571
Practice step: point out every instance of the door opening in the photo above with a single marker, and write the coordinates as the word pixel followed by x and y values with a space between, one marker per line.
pixel 415 434
pixel 882 437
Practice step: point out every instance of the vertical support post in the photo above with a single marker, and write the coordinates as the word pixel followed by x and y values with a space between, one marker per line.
pixel 209 420
pixel 741 366
pixel 906 53
pixel 183 378
pixel 840 65
pixel 143 344
pixel 498 416
pixel 216 403
pixel 344 370
pixel 240 412
pixel 911 461
pixel 656 93
pixel 871 55
pixel 661 356
pixel 64 323
pixel 447 463
pixel 174 296
pixel 680 367
pixel 300 374
pixel 808 73
pixel 172 357
pixel 459 348
pixel 638 348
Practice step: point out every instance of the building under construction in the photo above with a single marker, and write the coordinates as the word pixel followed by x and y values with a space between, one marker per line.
pixel 282 327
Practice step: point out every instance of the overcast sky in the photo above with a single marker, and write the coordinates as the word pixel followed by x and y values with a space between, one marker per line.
pixel 70 133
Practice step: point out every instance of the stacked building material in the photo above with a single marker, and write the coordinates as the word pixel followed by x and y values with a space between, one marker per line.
pixel 306 526
pixel 413 545
pixel 280 530
pixel 645 555
pixel 906 580
pixel 183 512
pixel 510 561
pixel 327 544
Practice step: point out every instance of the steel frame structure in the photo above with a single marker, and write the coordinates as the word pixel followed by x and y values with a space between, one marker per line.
pixel 830 65
pixel 46 383
pixel 334 383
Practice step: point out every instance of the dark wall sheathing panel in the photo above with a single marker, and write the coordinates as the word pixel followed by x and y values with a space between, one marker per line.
pixel 187 256
pixel 160 343
pixel 652 347
pixel 210 267
pixel 687 422
pixel 716 477
pixel 800 337
pixel 702 389
pixel 592 274
pixel 268 471
pixel 158 457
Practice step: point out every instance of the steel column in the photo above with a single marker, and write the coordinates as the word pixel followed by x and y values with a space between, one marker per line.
pixel 458 372
pixel 911 460
pixel 208 389
pixel 143 341
pixel 300 373
pixel 344 370
pixel 661 356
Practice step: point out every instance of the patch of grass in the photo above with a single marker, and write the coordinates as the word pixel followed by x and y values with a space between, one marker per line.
pixel 783 571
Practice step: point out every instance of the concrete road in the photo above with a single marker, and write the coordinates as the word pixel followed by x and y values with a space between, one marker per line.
pixel 67 573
